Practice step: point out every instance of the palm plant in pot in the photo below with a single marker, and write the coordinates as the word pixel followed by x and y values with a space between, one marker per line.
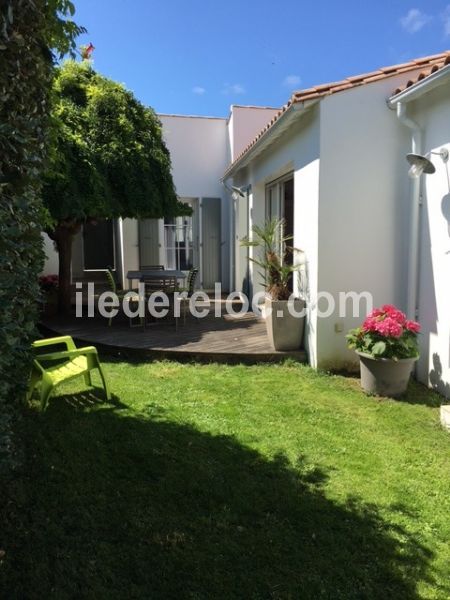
pixel 284 313
pixel 387 347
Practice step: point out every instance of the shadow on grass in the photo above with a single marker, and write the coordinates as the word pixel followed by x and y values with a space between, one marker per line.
pixel 128 505
pixel 417 392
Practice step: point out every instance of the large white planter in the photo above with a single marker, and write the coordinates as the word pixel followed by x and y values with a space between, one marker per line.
pixel 285 330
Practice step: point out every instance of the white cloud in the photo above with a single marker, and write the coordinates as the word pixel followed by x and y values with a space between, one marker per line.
pixel 291 81
pixel 199 90
pixel 414 20
pixel 233 88
pixel 446 20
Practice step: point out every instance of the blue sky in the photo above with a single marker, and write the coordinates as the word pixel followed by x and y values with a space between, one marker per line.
pixel 199 57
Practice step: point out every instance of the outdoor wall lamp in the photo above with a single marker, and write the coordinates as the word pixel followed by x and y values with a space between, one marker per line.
pixel 422 164
pixel 237 192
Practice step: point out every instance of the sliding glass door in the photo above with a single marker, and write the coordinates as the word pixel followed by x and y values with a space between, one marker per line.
pixel 280 205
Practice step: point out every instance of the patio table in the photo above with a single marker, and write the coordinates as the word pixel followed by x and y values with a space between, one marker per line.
pixel 147 274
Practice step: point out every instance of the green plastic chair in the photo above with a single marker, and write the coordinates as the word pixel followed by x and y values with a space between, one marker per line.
pixel 70 363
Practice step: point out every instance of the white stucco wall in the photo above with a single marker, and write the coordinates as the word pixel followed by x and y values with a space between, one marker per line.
pixel 363 209
pixel 245 122
pixel 432 112
pixel 51 265
pixel 199 150
pixel 297 152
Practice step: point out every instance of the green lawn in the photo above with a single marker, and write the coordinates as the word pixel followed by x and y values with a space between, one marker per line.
pixel 210 481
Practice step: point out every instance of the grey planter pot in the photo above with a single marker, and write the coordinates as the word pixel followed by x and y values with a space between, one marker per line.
pixel 385 377
pixel 285 331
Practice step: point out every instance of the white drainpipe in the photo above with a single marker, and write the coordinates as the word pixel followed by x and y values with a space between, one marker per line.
pixel 120 266
pixel 413 259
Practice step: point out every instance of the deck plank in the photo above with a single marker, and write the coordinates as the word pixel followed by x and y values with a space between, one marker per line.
pixel 225 338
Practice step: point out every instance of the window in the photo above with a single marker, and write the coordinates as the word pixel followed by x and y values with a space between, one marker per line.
pixel 178 243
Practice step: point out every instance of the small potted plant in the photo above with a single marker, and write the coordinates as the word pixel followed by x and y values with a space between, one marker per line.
pixel 387 347
pixel 283 312
pixel 49 290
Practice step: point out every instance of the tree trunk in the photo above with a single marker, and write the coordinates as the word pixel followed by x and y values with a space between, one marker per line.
pixel 63 236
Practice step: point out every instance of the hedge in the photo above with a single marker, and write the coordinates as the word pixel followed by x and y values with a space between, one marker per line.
pixel 27 31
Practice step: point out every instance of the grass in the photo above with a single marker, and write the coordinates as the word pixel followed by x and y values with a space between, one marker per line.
pixel 211 481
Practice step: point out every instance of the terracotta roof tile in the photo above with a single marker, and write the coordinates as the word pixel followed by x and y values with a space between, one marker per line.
pixel 356 78
pixel 434 63
pixel 439 61
pixel 379 76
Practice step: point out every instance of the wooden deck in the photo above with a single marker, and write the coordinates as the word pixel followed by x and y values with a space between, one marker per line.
pixel 224 339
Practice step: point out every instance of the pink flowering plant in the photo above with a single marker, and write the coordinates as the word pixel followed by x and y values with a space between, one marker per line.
pixel 48 283
pixel 386 333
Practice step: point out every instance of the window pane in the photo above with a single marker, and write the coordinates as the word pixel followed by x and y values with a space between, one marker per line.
pixel 178 243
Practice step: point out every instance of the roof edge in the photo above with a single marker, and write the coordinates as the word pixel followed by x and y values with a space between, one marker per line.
pixel 421 87
pixel 290 109
pixel 190 116
pixel 316 93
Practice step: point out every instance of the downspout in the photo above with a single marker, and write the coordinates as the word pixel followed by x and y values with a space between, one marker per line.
pixel 413 258
pixel 232 243
pixel 232 234
pixel 120 267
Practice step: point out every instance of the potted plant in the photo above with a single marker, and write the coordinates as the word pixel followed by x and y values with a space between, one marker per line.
pixel 49 290
pixel 283 312
pixel 387 346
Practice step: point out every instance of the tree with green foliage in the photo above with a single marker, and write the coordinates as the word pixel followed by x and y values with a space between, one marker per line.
pixel 108 160
pixel 29 31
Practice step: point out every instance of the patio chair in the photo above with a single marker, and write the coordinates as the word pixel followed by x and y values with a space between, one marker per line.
pixel 121 294
pixel 190 287
pixel 163 284
pixel 71 362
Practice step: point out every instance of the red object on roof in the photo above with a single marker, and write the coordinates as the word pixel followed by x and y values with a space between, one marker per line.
pixel 86 51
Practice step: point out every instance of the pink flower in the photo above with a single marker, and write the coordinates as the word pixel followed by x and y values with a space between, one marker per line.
pixel 412 326
pixel 390 328
pixel 370 324
pixel 389 321
pixel 394 313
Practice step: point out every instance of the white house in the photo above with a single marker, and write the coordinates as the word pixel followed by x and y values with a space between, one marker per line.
pixel 332 163
pixel 201 148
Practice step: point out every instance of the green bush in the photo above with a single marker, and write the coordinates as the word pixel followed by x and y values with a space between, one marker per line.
pixel 28 31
